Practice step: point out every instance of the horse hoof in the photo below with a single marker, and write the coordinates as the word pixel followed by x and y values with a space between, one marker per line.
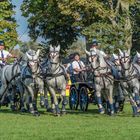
pixel 36 114
pixel 49 110
pixel 138 110
pixel 101 111
pixel 112 114
pixel 13 108
pixel 63 112
pixel 136 115
pixel 57 115
pixel 42 105
pixel 23 110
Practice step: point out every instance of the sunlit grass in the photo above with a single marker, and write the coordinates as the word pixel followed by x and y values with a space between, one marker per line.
pixel 73 126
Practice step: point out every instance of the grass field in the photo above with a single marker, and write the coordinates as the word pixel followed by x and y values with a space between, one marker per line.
pixel 73 126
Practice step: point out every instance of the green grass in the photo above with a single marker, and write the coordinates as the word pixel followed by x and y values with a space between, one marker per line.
pixel 73 126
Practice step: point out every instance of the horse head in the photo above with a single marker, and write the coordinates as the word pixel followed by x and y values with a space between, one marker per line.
pixel 33 59
pixel 138 57
pixel 54 54
pixel 125 59
pixel 115 59
pixel 93 58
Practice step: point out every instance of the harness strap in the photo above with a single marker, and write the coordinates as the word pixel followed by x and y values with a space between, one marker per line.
pixel 4 93
pixel 54 75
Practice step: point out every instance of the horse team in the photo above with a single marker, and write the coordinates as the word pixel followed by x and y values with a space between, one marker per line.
pixel 114 78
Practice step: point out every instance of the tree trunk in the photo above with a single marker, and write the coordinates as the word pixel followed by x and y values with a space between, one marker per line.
pixel 88 43
pixel 127 26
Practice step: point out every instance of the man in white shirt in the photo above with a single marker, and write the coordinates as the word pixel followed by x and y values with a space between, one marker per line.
pixel 69 68
pixel 3 54
pixel 79 68
pixel 94 47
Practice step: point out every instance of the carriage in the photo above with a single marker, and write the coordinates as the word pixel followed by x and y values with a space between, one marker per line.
pixel 81 94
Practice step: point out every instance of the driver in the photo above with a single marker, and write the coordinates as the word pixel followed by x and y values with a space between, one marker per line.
pixel 4 55
pixel 94 47
pixel 79 68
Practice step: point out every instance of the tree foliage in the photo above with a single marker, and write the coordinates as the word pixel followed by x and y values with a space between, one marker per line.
pixel 8 24
pixel 111 22
pixel 46 21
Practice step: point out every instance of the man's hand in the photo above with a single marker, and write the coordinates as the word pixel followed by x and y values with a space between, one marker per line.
pixel 4 59
pixel 83 69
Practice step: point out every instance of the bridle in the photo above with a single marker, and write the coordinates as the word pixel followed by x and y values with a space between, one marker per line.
pixel 98 68
pixel 125 59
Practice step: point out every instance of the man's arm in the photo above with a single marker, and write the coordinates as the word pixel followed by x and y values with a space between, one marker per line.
pixel 75 67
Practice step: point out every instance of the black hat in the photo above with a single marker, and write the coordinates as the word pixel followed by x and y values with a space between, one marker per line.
pixel 71 56
pixel 2 43
pixel 76 54
pixel 94 43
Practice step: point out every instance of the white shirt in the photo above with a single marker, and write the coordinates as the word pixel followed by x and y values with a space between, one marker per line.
pixel 98 52
pixel 5 54
pixel 78 65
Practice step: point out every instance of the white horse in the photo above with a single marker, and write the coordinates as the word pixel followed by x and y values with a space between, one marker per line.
pixel 10 75
pixel 103 80
pixel 56 79
pixel 131 81
pixel 32 80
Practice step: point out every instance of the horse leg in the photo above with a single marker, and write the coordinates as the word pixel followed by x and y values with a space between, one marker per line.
pixel 110 99
pixel 136 98
pixel 116 97
pixel 53 94
pixel 35 99
pixel 121 98
pixel 132 102
pixel 3 92
pixel 12 104
pixel 99 100
pixel 42 99
pixel 134 106
pixel 64 101
pixel 32 101
pixel 46 102
pixel 22 96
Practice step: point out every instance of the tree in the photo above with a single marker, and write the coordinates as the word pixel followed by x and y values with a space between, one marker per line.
pixel 46 20
pixel 108 21
pixel 136 29
pixel 8 24
pixel 62 21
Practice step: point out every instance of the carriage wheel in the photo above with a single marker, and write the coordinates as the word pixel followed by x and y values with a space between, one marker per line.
pixel 73 99
pixel 83 99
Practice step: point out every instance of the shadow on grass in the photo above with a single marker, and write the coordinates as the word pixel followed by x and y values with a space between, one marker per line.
pixel 27 113
pixel 90 112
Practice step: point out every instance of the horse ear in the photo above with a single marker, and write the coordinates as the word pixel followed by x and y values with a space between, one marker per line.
pixel 28 56
pixel 138 54
pixel 38 52
pixel 51 48
pixel 115 56
pixel 58 48
pixel 128 51
pixel 120 52
pixel 87 52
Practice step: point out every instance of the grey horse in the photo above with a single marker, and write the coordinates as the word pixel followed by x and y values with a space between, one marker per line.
pixel 103 80
pixel 10 79
pixel 32 80
pixel 136 63
pixel 131 82
pixel 119 95
pixel 56 79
